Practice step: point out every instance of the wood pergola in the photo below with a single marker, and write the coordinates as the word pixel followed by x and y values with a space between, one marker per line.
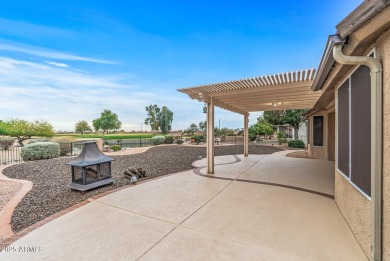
pixel 283 91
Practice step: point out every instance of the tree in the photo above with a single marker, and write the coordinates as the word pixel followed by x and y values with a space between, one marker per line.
pixel 3 127
pixel 294 118
pixel 82 126
pixel 223 132
pixel 165 118
pixel 23 130
pixel 152 120
pixel 202 125
pixel 274 117
pixel 107 121
pixel 192 129
pixel 262 127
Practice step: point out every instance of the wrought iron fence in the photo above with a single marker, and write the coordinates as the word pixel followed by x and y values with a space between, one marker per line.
pixel 130 143
pixel 12 154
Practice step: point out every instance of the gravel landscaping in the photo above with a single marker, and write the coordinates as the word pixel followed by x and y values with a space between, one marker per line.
pixel 50 178
pixel 8 190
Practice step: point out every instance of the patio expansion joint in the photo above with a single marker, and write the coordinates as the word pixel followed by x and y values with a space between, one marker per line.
pixel 193 213
pixel 136 213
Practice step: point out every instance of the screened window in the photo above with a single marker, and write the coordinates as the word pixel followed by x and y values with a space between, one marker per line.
pixel 354 129
pixel 343 128
pixel 318 130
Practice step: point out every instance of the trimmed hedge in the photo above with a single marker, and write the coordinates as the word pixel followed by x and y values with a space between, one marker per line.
pixel 6 142
pixel 157 140
pixel 296 144
pixel 179 141
pixel 198 138
pixel 40 150
pixel 116 147
pixel 168 139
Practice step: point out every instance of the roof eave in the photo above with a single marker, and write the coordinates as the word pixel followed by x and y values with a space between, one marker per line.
pixel 327 61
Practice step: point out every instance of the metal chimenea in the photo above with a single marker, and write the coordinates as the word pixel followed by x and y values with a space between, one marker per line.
pixel 90 169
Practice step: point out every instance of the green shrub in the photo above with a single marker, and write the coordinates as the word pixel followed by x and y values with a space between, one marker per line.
pixel 157 140
pixel 296 144
pixel 116 147
pixel 6 142
pixel 168 139
pixel 179 142
pixel 39 140
pixel 40 150
pixel 198 138
pixel 65 145
pixel 281 138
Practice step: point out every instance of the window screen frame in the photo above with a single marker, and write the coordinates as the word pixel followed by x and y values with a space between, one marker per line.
pixel 323 131
pixel 372 53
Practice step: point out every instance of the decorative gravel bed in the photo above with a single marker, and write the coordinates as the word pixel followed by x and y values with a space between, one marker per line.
pixel 50 178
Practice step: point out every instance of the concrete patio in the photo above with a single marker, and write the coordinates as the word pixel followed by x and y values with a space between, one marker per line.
pixel 260 207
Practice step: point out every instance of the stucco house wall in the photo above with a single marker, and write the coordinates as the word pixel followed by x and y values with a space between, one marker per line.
pixel 383 53
pixel 353 205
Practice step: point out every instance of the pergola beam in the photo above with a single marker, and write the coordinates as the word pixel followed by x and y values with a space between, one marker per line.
pixel 221 104
pixel 282 95
pixel 210 136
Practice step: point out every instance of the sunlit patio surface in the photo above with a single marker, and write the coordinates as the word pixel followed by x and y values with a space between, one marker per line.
pixel 263 207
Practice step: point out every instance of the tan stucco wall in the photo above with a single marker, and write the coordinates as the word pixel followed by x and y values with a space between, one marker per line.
pixel 356 210
pixel 383 53
pixel 355 207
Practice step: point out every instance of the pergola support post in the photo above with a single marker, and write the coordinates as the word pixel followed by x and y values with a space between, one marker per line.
pixel 246 135
pixel 210 136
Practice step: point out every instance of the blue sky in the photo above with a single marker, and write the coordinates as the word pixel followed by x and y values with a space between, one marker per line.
pixel 65 61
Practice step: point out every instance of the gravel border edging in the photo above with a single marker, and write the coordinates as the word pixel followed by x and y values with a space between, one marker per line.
pixel 8 209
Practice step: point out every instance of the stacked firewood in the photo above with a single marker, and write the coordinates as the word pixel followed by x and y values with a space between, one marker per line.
pixel 137 172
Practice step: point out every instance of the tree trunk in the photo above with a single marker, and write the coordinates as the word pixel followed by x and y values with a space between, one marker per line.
pixel 20 141
pixel 296 133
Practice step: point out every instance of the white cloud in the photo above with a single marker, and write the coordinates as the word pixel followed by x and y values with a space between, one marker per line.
pixel 63 65
pixel 52 54
pixel 63 96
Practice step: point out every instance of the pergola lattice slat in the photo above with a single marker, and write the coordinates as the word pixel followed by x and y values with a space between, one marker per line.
pixel 291 90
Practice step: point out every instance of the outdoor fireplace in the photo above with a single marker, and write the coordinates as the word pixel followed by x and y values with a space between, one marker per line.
pixel 90 169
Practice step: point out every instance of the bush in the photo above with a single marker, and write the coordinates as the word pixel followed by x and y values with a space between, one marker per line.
pixel 281 138
pixel 40 150
pixel 116 147
pixel 296 144
pixel 179 142
pixel 157 140
pixel 65 145
pixel 6 142
pixel 168 139
pixel 198 139
pixel 39 140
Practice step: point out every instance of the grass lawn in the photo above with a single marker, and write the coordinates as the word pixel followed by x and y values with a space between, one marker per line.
pixel 110 136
